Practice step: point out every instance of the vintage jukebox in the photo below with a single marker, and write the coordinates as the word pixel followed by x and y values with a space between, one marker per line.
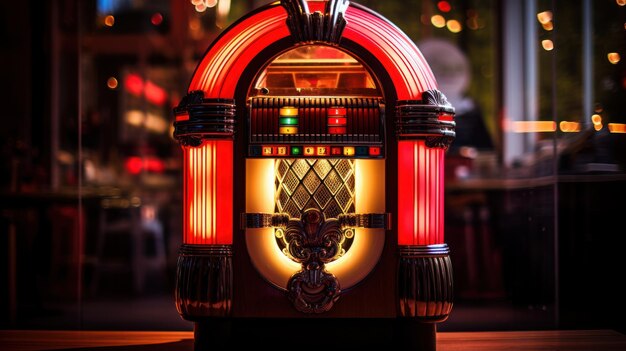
pixel 313 138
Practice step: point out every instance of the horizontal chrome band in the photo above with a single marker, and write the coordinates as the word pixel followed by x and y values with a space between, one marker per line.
pixel 206 250
pixel 408 251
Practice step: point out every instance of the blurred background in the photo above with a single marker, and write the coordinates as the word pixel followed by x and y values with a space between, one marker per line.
pixel 90 177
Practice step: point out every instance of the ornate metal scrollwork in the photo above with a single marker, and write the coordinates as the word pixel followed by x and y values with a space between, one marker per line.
pixel 316 27
pixel 313 241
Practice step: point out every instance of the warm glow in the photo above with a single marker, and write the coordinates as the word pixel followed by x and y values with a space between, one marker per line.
pixel 597 127
pixel 148 120
pixel 197 2
pixel 617 127
pixel 454 26
pixel 210 3
pixel 547 44
pixel 621 2
pixel 208 193
pixel 438 21
pixel 532 126
pixel 350 268
pixel 201 7
pixel 596 119
pixel 569 127
pixel 544 17
pixel 547 26
pixel 420 193
pixel 613 57
pixel 109 21
pixel 112 83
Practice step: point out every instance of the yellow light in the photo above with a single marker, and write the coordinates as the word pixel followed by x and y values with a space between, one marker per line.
pixel 544 17
pixel 288 111
pixel 454 26
pixel 438 21
pixel 547 26
pixel 348 151
pixel 532 126
pixel 596 119
pixel 109 21
pixel 547 44
pixel 613 57
pixel 617 127
pixel 287 130
pixel 281 150
pixel 621 2
pixel 309 151
pixel 112 83
pixel 569 127
pixel 597 127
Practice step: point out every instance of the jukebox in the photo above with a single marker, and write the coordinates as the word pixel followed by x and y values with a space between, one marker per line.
pixel 313 139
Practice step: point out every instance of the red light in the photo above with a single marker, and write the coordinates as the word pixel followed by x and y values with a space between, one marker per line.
pixel 208 193
pixel 337 121
pixel 134 165
pixel 155 94
pixel 336 150
pixel 444 6
pixel 336 111
pixel 152 92
pixel 420 193
pixel 156 19
pixel 374 150
pixel 336 130
pixel 134 84
pixel 184 117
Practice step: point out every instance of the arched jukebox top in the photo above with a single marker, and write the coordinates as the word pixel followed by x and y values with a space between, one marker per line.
pixel 335 109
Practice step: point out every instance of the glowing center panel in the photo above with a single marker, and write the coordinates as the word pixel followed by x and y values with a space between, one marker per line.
pixel 345 246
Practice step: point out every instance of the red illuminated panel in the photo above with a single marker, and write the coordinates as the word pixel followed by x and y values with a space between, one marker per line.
pixel 420 193
pixel 208 193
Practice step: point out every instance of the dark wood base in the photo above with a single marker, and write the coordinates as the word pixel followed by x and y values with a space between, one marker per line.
pixel 220 334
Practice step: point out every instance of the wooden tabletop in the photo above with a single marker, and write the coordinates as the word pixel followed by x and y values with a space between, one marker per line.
pixel 26 340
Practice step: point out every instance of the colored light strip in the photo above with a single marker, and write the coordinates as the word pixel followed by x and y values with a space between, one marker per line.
pixel 336 111
pixel 208 194
pixel 420 193
pixel 359 151
pixel 288 111
pixel 288 130
pixel 337 121
pixel 288 121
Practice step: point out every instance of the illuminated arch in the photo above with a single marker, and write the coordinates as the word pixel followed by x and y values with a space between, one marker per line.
pixel 227 58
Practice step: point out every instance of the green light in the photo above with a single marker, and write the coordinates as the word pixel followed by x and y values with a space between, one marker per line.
pixel 288 121
pixel 296 150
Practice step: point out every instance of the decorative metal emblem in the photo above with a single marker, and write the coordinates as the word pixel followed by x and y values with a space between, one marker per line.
pixel 316 27
pixel 313 241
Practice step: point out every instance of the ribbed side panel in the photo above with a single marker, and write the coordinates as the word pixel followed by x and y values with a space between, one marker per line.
pixel 425 287
pixel 204 282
